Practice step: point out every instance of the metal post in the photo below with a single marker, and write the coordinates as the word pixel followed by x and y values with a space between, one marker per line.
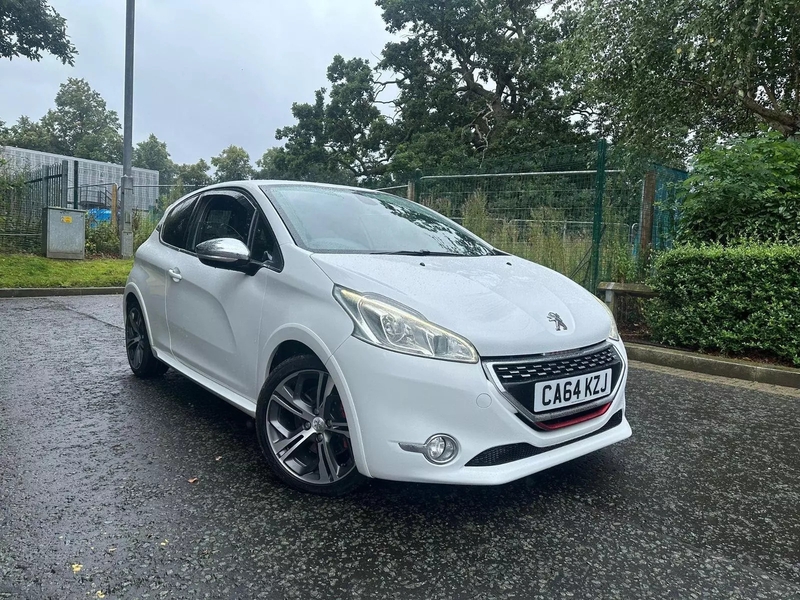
pixel 126 239
pixel 413 186
pixel 64 183
pixel 114 206
pixel 75 195
pixel 597 221
pixel 646 231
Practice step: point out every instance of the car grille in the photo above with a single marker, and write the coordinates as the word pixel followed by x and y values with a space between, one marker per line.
pixel 500 455
pixel 518 378
pixel 555 368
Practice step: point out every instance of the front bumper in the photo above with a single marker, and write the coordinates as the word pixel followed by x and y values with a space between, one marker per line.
pixel 399 398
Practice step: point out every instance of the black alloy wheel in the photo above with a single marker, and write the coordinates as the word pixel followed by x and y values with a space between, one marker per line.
pixel 141 359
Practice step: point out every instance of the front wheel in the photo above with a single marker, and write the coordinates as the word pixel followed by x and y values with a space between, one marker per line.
pixel 302 429
pixel 141 359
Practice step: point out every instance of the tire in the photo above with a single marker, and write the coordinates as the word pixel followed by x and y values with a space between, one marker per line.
pixel 141 359
pixel 302 429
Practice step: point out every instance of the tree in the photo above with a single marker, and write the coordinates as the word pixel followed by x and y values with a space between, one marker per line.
pixel 81 124
pixel 343 134
pixel 194 175
pixel 470 80
pixel 152 154
pixel 27 134
pixel 486 70
pixel 232 164
pixel 268 164
pixel 30 27
pixel 679 74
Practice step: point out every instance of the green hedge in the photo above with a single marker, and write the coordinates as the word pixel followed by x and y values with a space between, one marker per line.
pixel 738 299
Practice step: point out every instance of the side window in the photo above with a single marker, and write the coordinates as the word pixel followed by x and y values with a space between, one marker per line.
pixel 264 248
pixel 224 216
pixel 177 223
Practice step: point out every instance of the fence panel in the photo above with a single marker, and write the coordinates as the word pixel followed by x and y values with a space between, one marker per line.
pixel 23 195
pixel 563 217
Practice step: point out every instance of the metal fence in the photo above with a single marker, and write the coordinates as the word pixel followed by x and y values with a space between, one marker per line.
pixel 23 196
pixel 577 210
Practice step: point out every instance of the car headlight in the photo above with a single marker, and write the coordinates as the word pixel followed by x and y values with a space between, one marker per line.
pixel 381 322
pixel 614 332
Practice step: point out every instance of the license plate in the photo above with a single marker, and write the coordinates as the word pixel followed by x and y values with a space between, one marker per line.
pixel 558 393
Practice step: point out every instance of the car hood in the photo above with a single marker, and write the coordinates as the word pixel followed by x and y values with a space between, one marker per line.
pixel 503 304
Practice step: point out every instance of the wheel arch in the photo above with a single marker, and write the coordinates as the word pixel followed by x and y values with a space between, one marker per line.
pixel 133 291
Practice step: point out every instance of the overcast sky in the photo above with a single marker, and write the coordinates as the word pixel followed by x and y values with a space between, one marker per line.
pixel 208 73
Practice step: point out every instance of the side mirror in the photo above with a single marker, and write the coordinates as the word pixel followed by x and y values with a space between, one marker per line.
pixel 224 253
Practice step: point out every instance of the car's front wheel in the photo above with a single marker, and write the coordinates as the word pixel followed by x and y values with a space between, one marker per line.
pixel 303 431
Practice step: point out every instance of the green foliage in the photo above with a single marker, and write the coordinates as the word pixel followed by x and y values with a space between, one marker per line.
pixel 468 82
pixel 195 175
pixel 747 189
pixel 232 164
pixel 30 27
pixel 652 72
pixel 152 154
pixel 738 300
pixel 102 239
pixel 267 167
pixel 544 235
pixel 80 125
pixel 27 271
pixel 12 186
pixel 341 135
pixel 143 226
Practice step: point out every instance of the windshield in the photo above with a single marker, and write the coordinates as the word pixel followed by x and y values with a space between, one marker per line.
pixel 336 220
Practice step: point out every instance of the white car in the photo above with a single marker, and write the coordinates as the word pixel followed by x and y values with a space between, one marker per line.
pixel 370 336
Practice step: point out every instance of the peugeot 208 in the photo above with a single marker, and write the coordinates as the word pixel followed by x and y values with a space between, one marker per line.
pixel 370 336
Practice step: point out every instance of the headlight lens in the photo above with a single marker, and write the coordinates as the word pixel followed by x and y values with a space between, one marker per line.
pixel 394 327
pixel 614 333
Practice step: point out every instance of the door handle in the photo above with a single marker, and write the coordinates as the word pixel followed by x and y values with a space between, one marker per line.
pixel 175 274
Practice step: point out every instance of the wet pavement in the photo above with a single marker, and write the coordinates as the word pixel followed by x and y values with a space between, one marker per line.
pixel 703 501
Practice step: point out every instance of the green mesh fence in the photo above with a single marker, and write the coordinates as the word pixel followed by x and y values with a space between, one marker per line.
pixel 573 213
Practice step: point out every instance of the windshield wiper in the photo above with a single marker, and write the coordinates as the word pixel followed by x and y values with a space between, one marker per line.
pixel 419 253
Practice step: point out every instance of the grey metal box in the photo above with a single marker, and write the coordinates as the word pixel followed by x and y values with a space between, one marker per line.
pixel 63 232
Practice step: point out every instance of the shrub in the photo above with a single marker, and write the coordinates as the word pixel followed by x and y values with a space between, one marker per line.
pixel 738 299
pixel 747 189
pixel 101 238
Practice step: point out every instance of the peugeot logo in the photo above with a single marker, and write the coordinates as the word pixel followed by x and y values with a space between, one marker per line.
pixel 556 318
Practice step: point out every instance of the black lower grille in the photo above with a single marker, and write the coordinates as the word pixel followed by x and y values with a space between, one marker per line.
pixel 500 455
pixel 519 378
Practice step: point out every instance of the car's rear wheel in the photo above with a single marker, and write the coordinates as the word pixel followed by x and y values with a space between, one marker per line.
pixel 141 359
pixel 303 431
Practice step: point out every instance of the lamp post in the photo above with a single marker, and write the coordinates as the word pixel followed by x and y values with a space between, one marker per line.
pixel 126 236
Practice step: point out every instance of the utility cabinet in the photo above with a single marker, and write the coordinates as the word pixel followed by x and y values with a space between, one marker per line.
pixel 63 233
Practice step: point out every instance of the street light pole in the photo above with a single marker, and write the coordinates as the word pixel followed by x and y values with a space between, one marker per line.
pixel 126 236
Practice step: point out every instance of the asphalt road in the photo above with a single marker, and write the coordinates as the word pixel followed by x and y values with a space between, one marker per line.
pixel 703 501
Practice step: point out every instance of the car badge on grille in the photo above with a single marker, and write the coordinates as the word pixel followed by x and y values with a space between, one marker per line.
pixel 556 318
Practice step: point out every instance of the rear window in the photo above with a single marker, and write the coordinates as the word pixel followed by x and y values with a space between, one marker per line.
pixel 176 225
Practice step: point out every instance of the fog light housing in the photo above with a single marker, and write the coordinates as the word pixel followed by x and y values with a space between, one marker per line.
pixel 440 449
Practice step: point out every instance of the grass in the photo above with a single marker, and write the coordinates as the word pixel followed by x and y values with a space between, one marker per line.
pixel 30 271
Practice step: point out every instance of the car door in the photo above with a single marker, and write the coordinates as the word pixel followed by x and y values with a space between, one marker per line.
pixel 214 314
pixel 156 259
